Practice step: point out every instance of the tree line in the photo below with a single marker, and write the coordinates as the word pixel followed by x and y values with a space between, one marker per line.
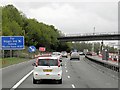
pixel 80 46
pixel 39 34
pixel 15 23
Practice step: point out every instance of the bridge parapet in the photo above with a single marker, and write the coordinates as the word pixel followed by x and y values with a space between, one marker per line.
pixel 88 34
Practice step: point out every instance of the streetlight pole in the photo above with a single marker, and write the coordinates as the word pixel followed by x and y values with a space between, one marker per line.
pixel 94 31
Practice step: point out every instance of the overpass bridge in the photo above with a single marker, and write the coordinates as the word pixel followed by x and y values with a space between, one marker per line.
pixel 90 37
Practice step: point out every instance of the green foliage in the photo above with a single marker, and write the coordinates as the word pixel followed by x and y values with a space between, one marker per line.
pixel 85 45
pixel 15 23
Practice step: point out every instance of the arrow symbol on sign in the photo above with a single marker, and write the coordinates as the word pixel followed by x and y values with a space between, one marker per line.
pixel 19 40
pixel 32 49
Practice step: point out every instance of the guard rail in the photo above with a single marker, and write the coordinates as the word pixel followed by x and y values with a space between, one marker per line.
pixel 105 64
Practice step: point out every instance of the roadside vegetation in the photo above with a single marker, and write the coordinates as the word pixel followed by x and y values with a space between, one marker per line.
pixel 15 23
pixel 10 61
pixel 38 34
pixel 80 46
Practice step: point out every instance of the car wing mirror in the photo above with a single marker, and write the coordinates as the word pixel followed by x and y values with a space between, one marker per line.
pixel 60 60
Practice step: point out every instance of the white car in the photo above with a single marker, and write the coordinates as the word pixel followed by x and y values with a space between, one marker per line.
pixel 74 55
pixel 47 68
pixel 64 54
pixel 57 54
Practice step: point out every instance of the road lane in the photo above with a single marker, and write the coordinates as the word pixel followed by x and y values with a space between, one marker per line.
pixel 12 74
pixel 70 79
pixel 48 83
pixel 91 77
pixel 76 74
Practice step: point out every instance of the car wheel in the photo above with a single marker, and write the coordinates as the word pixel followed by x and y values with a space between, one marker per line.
pixel 40 81
pixel 34 81
pixel 59 81
pixel 70 58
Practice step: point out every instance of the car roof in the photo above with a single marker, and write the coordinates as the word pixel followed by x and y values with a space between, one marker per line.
pixel 56 52
pixel 49 57
pixel 74 52
pixel 63 51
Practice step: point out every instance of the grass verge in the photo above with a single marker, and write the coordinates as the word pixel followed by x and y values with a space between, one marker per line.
pixel 4 62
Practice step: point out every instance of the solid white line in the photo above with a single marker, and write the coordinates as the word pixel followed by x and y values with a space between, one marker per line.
pixel 73 86
pixel 23 79
pixel 68 76
pixel 66 70
pixel 65 67
pixel 65 64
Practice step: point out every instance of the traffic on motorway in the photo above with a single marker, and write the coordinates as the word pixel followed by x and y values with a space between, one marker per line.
pixel 59 45
pixel 49 66
pixel 54 70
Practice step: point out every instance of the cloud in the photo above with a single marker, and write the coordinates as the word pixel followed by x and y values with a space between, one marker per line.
pixel 78 17
pixel 74 17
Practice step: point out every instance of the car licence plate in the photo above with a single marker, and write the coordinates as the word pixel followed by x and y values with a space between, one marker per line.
pixel 47 70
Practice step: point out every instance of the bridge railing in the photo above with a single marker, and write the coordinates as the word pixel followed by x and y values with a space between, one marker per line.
pixel 87 34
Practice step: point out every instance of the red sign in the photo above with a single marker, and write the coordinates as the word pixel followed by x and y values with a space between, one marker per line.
pixel 42 49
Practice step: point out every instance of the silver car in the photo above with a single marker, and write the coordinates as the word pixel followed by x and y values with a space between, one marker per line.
pixel 64 54
pixel 74 55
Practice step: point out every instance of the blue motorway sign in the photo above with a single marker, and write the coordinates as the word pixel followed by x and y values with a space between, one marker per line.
pixel 32 49
pixel 12 42
pixel 0 43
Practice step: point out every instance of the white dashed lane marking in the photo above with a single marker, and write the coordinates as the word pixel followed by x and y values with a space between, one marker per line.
pixel 68 76
pixel 73 86
pixel 66 70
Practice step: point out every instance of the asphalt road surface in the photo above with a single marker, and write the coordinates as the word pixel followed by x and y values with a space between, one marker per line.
pixel 76 74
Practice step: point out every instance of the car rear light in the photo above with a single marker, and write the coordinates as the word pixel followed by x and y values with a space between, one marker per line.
pixel 37 62
pixel 36 74
pixel 61 56
pixel 58 63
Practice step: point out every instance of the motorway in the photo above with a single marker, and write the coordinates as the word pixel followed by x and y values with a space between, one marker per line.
pixel 76 74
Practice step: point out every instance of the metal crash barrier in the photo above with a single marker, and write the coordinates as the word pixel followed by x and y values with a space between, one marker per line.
pixel 105 64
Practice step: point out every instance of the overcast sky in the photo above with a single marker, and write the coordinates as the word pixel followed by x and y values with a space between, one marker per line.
pixel 72 17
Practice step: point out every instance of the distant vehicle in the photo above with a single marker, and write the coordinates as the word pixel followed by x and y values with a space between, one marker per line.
pixel 58 54
pixel 81 53
pixel 64 54
pixel 47 68
pixel 85 51
pixel 74 55
pixel 89 53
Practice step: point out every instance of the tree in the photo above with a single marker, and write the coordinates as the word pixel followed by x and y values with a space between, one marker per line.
pixel 15 23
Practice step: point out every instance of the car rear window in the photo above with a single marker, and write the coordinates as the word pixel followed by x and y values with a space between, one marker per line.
pixel 74 52
pixel 48 62
pixel 63 52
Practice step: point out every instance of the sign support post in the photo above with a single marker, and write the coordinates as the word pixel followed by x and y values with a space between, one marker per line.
pixel 3 54
pixel 10 53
